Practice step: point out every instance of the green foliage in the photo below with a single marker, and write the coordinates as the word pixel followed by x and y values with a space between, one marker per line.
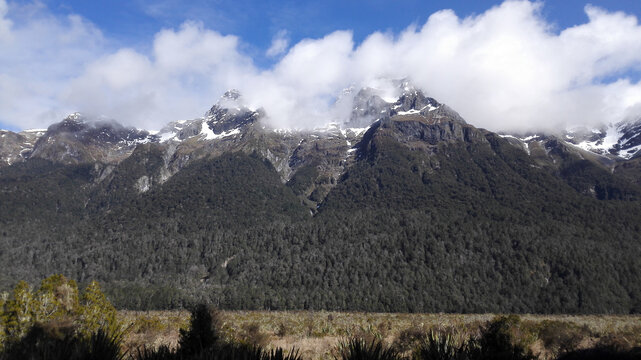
pixel 56 298
pixel 18 313
pixel 303 179
pixel 57 308
pixel 96 312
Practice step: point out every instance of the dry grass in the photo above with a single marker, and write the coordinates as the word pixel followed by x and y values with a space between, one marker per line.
pixel 316 334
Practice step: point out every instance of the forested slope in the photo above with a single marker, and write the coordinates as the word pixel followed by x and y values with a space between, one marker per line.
pixel 431 216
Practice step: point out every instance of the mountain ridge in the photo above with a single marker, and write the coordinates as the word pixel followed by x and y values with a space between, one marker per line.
pixel 418 211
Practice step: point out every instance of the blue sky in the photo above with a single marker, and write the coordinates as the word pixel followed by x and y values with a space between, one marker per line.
pixel 514 65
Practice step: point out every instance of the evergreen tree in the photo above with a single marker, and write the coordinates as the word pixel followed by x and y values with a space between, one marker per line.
pixel 19 309
pixel 96 312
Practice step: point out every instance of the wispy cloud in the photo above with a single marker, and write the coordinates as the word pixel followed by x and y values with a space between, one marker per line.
pixel 503 69
pixel 279 45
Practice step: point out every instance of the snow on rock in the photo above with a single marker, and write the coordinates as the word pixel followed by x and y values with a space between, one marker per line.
pixel 209 134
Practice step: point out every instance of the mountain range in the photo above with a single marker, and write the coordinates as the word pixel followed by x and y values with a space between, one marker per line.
pixel 402 207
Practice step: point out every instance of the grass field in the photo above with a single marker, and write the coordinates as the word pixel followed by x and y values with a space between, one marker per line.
pixel 317 334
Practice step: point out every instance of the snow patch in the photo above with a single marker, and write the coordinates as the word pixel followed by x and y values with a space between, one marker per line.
pixel 211 135
pixel 629 153
pixel 409 112
pixel 164 137
pixel 429 107
pixel 282 131
pixel 354 131
pixel 143 184
pixel 603 145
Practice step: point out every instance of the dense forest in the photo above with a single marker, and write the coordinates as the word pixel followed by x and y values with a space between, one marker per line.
pixel 468 226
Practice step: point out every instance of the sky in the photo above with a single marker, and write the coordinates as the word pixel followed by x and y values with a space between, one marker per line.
pixel 503 65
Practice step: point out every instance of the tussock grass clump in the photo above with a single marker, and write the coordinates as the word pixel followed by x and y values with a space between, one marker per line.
pixel 439 347
pixel 359 349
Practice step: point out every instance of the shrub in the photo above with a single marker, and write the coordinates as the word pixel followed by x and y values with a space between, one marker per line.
pixel 498 342
pixel 96 312
pixel 17 316
pixel 203 332
pixel 147 324
pixel 359 349
pixel 435 347
pixel 162 353
pixel 409 339
pixel 283 330
pixel 253 336
pixel 56 301
pixel 561 337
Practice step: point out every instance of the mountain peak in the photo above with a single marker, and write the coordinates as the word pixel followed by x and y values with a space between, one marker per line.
pixel 231 94
pixel 372 104
pixel 229 113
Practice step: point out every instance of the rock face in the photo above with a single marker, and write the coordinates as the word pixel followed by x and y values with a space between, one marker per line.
pixel 629 142
pixel 17 147
pixel 230 114
pixel 78 140
pixel 369 106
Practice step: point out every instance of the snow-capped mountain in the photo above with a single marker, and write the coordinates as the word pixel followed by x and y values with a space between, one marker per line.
pixel 231 126
pixel 404 178
pixel 16 147
pixel 622 139
pixel 616 142
pixel 370 105
pixel 78 139
pixel 226 118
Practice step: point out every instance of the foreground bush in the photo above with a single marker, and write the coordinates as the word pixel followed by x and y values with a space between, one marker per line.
pixel 495 343
pixel 40 344
pixel 359 349
pixel 443 347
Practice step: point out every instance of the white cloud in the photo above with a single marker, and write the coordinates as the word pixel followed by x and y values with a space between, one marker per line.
pixel 186 71
pixel 280 42
pixel 40 53
pixel 504 69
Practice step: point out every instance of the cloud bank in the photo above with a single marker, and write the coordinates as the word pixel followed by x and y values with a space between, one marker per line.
pixel 506 69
